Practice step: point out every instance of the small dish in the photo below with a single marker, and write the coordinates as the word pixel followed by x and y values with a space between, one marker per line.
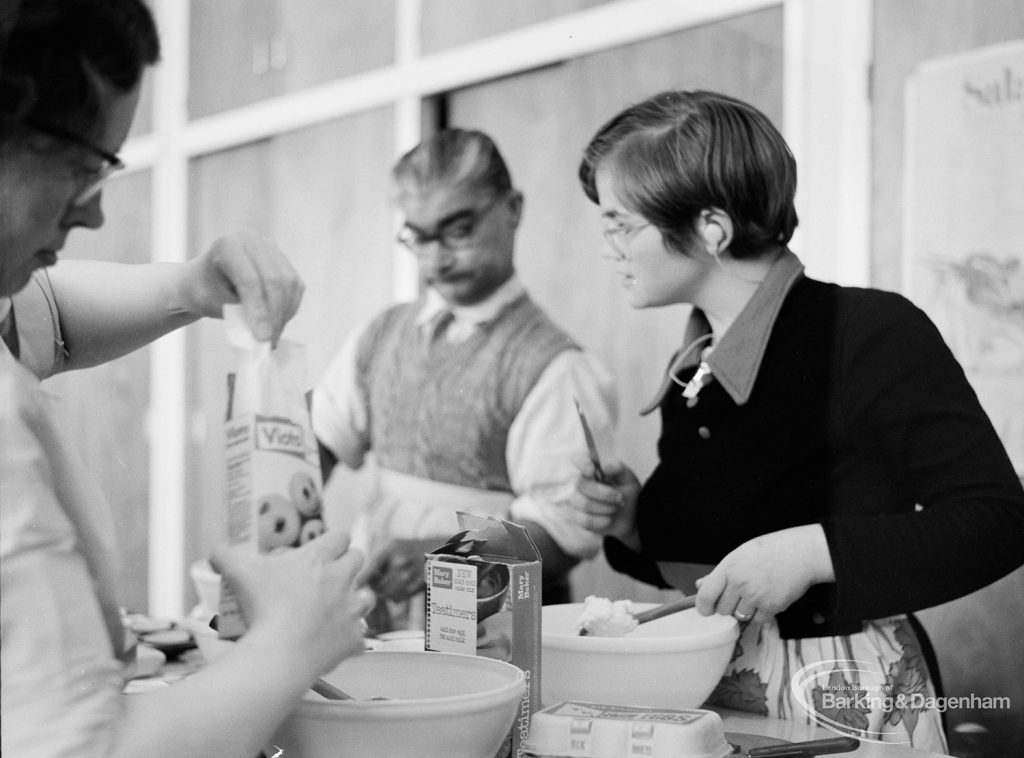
pixel 140 623
pixel 171 642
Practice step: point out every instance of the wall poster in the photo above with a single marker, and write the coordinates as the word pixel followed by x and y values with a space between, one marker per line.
pixel 964 219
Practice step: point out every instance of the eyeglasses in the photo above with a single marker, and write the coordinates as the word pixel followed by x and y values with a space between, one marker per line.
pixel 454 233
pixel 97 178
pixel 620 234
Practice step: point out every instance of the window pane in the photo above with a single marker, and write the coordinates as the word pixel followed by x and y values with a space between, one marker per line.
pixel 243 51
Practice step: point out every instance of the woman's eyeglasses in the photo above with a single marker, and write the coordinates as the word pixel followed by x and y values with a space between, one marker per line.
pixel 620 234
pixel 97 178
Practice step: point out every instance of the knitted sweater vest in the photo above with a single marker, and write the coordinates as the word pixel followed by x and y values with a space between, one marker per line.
pixel 442 411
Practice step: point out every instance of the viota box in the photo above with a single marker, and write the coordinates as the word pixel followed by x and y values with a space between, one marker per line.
pixel 274 483
pixel 484 598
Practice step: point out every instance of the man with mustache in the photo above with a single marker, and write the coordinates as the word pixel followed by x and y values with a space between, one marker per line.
pixel 466 396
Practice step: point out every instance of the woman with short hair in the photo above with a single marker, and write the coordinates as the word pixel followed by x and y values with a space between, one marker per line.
pixel 821 452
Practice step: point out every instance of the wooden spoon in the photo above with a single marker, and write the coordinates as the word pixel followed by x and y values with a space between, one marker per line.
pixel 329 691
pixel 665 609
pixel 674 606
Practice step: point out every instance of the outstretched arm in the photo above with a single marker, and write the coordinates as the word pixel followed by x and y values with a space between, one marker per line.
pixel 107 310
pixel 339 411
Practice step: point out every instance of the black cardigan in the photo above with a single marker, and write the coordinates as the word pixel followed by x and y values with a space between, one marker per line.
pixel 859 414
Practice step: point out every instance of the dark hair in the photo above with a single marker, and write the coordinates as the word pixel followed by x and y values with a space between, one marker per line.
pixel 457 156
pixel 681 152
pixel 50 51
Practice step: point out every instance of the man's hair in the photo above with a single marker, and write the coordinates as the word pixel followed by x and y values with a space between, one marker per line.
pixel 52 50
pixel 454 156
pixel 681 152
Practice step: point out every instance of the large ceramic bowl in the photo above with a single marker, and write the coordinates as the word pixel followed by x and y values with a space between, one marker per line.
pixel 438 704
pixel 671 662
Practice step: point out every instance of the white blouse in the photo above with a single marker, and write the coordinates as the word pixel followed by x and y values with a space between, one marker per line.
pixel 62 683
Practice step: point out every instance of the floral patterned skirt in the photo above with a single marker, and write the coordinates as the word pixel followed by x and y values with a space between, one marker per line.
pixel 873 685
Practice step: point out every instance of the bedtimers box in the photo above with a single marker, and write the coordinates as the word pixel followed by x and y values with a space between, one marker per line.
pixel 484 598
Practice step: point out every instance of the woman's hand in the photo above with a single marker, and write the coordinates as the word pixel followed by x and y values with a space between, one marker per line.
pixel 303 607
pixel 249 269
pixel 764 576
pixel 307 600
pixel 609 507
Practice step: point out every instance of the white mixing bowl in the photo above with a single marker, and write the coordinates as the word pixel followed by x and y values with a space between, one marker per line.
pixel 671 662
pixel 439 704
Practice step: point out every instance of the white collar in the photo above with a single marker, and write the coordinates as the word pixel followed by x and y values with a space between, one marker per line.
pixel 475 314
pixel 737 356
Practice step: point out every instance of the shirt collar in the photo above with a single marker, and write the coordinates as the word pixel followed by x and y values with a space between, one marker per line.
pixel 737 356
pixel 478 313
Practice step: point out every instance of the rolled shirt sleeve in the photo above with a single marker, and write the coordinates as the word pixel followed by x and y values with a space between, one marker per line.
pixel 546 440
pixel 42 349
pixel 339 414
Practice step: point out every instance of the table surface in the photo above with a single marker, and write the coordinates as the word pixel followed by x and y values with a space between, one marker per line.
pixel 797 731
pixel 733 721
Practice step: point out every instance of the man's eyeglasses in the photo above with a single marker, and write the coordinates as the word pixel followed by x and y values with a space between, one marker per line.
pixel 111 162
pixel 454 233
pixel 620 234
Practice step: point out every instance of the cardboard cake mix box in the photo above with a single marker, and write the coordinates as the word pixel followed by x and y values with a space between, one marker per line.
pixel 484 598
pixel 274 484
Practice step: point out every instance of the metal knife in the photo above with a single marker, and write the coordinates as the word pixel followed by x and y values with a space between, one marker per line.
pixel 595 459
pixel 800 749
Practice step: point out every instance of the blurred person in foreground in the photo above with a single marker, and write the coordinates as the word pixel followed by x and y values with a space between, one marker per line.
pixel 69 83
pixel 822 456
pixel 465 397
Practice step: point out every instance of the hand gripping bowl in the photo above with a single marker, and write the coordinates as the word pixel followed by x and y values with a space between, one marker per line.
pixel 671 662
pixel 438 704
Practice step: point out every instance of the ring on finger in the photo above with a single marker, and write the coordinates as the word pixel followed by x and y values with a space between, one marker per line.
pixel 743 618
